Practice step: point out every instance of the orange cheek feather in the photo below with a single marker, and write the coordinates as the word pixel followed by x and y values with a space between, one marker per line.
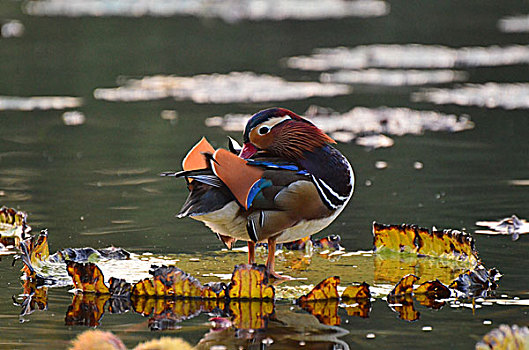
pixel 236 174
pixel 194 159
pixel 263 142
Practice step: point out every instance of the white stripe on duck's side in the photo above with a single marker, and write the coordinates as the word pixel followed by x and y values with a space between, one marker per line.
pixel 331 198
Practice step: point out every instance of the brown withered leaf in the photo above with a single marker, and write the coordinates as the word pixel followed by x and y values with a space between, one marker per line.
pixel 119 287
pixel 13 226
pixel 330 242
pixel 87 277
pixel 405 286
pixel 325 290
pixel 433 289
pixel 34 250
pixel 428 293
pixel 250 314
pixel 214 290
pixel 250 282
pixel 360 291
pixel 446 244
pixel 326 311
pixel 86 310
pixel 170 281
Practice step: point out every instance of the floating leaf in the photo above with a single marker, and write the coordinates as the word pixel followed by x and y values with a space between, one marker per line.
pixel 13 226
pixel 405 286
pixel 433 289
pixel 505 337
pixel 250 314
pixel 360 291
pixel 88 254
pixel 250 282
pixel 214 290
pixel 325 290
pixel 87 277
pixel 446 244
pixel 170 281
pixel 476 282
pixel 34 250
pixel 119 287
pixel 329 242
pixel 86 310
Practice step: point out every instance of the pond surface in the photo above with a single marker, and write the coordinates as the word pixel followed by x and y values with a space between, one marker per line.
pixel 91 178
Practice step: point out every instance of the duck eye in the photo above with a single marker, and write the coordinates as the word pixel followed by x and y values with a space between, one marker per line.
pixel 263 130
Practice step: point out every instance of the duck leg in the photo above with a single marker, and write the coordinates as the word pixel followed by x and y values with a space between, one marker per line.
pixel 271 261
pixel 251 252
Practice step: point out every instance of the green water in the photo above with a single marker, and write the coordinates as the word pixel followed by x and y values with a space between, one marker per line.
pixel 97 184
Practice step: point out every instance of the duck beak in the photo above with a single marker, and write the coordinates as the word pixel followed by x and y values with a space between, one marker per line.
pixel 248 150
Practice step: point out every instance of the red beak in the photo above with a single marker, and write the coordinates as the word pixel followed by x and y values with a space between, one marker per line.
pixel 248 150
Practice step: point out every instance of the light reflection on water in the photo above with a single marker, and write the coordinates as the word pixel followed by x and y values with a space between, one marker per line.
pixel 514 24
pixel 410 56
pixel 394 77
pixel 230 11
pixel 489 95
pixel 38 102
pixel 235 87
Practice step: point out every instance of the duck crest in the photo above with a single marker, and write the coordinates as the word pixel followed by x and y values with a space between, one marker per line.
pixel 295 139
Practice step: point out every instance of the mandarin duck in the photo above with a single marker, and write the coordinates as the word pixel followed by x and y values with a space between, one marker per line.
pixel 286 182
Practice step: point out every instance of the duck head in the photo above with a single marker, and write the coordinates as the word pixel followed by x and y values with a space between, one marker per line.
pixel 281 133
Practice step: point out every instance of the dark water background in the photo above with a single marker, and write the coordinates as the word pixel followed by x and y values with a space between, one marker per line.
pixel 75 181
